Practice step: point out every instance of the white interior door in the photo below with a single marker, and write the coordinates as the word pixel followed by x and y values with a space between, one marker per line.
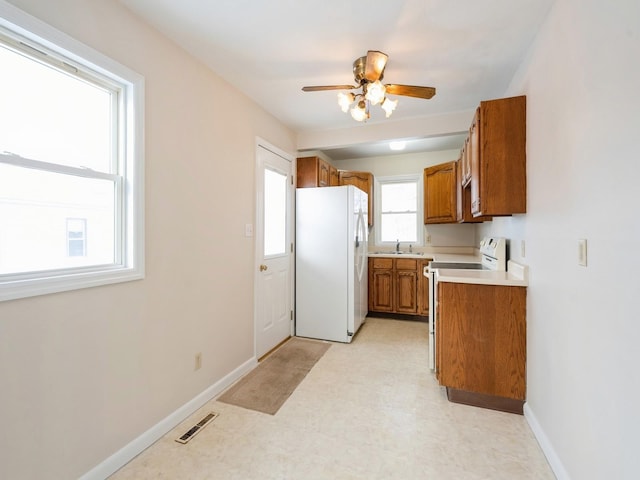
pixel 274 251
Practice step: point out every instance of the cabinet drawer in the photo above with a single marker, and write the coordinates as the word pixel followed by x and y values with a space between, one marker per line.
pixel 406 264
pixel 386 263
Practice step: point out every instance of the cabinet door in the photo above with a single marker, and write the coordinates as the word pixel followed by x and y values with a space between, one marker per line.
pixel 406 292
pixel 406 283
pixel 474 146
pixel 362 180
pixel 463 202
pixel 498 158
pixel 440 194
pixel 423 289
pixel 334 178
pixel 465 176
pixel 380 291
pixel 381 284
pixel 482 338
pixel 324 177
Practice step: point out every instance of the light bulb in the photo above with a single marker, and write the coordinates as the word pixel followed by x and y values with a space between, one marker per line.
pixel 359 112
pixel 389 106
pixel 345 100
pixel 375 92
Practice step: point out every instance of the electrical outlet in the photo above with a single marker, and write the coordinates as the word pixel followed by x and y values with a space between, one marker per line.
pixel 428 239
pixel 198 361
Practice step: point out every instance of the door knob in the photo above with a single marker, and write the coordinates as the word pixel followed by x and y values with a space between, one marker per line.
pixel 263 268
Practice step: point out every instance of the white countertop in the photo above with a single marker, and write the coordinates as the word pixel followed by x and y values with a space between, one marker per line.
pixel 425 256
pixel 515 276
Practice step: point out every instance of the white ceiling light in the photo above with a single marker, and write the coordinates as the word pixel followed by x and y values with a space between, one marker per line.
pixel 399 145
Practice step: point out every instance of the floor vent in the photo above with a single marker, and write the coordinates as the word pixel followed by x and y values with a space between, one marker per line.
pixel 197 427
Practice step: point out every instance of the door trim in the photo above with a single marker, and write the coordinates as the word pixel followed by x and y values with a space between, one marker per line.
pixel 262 143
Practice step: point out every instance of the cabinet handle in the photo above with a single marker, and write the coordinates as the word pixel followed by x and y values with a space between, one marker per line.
pixel 263 268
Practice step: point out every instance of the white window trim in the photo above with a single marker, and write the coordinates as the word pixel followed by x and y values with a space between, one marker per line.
pixel 378 207
pixel 132 265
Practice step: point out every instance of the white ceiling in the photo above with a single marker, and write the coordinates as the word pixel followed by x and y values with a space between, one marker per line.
pixel 467 49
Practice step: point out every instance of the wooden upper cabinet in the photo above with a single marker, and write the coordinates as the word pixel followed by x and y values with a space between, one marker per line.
pixel 334 178
pixel 440 202
pixel 313 172
pixel 362 180
pixel 465 161
pixel 463 201
pixel 498 157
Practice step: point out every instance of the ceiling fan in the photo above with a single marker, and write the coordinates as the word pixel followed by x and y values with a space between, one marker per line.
pixel 368 72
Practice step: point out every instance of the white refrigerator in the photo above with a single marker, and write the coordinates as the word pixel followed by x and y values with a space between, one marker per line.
pixel 331 262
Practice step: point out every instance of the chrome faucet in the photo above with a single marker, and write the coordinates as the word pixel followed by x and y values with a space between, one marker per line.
pixel 398 246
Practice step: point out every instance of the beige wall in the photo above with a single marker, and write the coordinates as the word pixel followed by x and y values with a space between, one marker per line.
pixel 83 373
pixel 581 80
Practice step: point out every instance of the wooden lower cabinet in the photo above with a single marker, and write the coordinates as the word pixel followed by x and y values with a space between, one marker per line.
pixel 406 291
pixel 481 344
pixel 396 286
pixel 381 284
pixel 423 289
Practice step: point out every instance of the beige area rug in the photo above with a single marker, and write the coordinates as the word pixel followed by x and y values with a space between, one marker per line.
pixel 267 387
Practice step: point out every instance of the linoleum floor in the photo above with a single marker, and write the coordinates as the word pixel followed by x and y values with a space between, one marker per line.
pixel 367 410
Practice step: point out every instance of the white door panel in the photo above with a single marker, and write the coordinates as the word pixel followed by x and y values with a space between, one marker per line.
pixel 273 249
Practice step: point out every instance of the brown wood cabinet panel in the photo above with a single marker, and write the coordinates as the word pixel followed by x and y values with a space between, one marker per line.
pixel 440 193
pixel 324 177
pixel 396 285
pixel 362 180
pixel 313 172
pixel 465 164
pixel 334 178
pixel 482 339
pixel 463 202
pixel 406 291
pixel 381 284
pixel 406 264
pixel 423 288
pixel 498 157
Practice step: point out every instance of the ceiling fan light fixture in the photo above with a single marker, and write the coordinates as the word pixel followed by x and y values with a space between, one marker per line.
pixel 375 92
pixel 345 100
pixel 368 72
pixel 359 112
pixel 389 106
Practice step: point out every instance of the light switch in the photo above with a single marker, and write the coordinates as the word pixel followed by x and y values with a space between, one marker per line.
pixel 248 230
pixel 582 252
pixel 522 248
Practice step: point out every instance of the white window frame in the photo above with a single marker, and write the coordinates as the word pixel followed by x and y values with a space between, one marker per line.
pixel 379 181
pixel 130 263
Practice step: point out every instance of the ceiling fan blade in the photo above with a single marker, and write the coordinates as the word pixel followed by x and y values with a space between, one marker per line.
pixel 411 91
pixel 328 87
pixel 375 64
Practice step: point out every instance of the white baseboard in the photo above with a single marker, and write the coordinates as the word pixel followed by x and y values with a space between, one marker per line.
pixel 123 456
pixel 547 448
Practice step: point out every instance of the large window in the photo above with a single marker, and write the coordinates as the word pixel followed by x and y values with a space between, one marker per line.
pixel 399 210
pixel 70 163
